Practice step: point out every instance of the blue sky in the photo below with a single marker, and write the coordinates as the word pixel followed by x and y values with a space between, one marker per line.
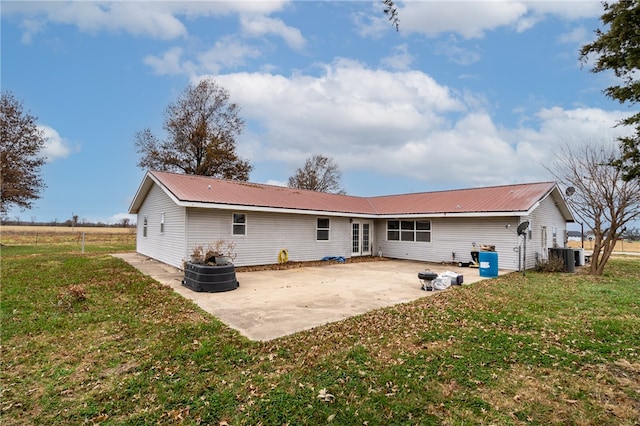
pixel 466 94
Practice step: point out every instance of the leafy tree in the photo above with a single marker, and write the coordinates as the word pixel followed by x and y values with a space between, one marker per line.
pixel 21 143
pixel 202 126
pixel 319 173
pixel 602 199
pixel 617 48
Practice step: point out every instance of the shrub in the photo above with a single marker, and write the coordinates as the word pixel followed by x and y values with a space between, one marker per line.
pixel 221 248
pixel 553 264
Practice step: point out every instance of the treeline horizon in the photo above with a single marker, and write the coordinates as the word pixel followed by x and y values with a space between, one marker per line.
pixel 69 223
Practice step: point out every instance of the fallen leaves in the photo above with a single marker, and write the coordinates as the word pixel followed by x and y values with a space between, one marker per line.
pixel 325 396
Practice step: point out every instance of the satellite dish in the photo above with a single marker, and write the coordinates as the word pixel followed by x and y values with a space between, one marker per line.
pixel 522 228
pixel 570 191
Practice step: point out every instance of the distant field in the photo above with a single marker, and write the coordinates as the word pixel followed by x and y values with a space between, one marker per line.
pixel 37 235
pixel 66 229
pixel 630 246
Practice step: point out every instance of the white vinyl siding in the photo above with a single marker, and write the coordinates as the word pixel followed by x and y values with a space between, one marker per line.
pixel 269 233
pixel 456 235
pixel 163 242
pixel 546 215
pixel 168 233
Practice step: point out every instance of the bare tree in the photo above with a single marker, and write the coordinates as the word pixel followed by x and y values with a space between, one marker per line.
pixel 21 143
pixel 202 126
pixel 601 198
pixel 319 173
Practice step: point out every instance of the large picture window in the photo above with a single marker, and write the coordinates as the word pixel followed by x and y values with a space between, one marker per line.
pixel 322 229
pixel 409 230
pixel 239 224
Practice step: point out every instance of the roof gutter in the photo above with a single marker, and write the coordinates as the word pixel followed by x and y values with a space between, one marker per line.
pixel 243 207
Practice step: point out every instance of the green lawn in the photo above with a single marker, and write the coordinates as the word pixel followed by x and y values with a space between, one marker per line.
pixel 87 339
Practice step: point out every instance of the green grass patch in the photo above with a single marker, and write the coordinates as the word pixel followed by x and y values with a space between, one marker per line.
pixel 86 338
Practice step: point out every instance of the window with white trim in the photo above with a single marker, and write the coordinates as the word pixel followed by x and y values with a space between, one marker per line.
pixel 323 225
pixel 144 226
pixel 161 223
pixel 409 230
pixel 423 231
pixel 239 224
pixel 393 230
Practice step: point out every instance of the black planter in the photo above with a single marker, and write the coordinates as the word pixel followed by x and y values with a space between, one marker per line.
pixel 210 278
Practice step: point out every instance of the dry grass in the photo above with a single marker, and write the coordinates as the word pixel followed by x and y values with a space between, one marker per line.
pixel 53 235
pixel 629 246
pixel 33 229
pixel 87 339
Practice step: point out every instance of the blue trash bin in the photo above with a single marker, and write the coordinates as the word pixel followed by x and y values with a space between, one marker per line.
pixel 488 264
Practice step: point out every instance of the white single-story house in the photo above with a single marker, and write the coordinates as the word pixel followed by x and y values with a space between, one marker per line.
pixel 177 212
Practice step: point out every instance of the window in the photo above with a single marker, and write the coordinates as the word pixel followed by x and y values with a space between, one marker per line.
pixel 409 230
pixel 393 230
pixel 322 229
pixel 423 231
pixel 144 226
pixel 239 224
pixel 161 223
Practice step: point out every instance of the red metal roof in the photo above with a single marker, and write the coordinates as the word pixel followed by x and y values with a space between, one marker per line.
pixel 507 198
pixel 206 190
pixel 202 189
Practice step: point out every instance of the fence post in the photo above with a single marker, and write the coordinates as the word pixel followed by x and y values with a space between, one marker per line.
pixel 83 243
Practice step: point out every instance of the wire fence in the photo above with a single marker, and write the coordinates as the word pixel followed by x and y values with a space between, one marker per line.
pixel 35 237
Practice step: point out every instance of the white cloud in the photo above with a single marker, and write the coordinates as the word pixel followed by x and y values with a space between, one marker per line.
pixel 258 26
pixel 400 60
pixel 117 218
pixel 226 53
pixel 170 62
pixel 139 18
pixel 469 19
pixel 578 35
pixel 55 146
pixel 451 49
pixel 473 19
pixel 155 19
pixel 30 28
pixel 575 126
pixel 346 108
pixel 566 9
pixel 403 124
pixel 276 182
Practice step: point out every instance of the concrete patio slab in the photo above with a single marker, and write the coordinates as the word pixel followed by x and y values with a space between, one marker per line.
pixel 272 304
